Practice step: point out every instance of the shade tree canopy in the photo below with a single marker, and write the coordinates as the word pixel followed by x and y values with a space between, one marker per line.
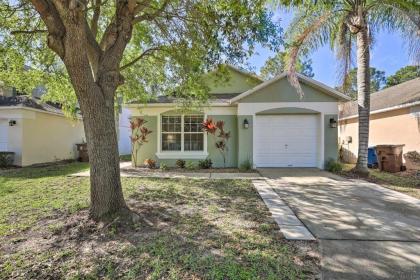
pixel 90 51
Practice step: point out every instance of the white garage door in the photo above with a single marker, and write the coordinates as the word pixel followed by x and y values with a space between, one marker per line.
pixel 4 138
pixel 286 141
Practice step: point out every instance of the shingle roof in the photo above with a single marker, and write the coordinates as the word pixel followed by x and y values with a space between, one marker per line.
pixel 404 93
pixel 29 102
pixel 216 98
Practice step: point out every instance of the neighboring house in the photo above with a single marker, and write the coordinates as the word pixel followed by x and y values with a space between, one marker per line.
pixel 269 124
pixel 36 132
pixel 394 119
pixel 124 132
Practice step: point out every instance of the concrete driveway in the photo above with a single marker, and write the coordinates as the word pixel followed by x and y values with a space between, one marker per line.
pixel 365 231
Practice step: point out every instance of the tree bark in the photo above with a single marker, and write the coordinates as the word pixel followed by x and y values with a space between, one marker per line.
pixel 96 99
pixel 363 98
pixel 105 184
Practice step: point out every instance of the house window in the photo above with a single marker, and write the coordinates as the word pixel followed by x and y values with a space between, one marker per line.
pixel 171 133
pixel 182 133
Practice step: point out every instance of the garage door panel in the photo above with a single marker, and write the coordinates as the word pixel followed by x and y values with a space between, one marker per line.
pixel 286 141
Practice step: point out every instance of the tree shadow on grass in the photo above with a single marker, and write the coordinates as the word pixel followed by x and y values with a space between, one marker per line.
pixel 188 230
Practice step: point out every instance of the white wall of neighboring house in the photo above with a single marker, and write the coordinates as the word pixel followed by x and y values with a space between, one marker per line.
pixel 124 132
pixel 40 137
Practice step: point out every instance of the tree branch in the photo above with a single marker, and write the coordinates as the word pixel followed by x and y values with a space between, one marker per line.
pixel 149 16
pixel 15 32
pixel 55 26
pixel 142 55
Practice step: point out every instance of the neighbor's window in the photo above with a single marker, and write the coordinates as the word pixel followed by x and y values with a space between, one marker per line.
pixel 182 133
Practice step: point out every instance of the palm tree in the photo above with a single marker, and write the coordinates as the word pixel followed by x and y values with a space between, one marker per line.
pixel 345 25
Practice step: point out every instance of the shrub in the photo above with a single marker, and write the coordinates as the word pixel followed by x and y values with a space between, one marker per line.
pixel 150 163
pixel 333 166
pixel 6 158
pixel 180 163
pixel 163 166
pixel 414 156
pixel 190 165
pixel 246 165
pixel 205 164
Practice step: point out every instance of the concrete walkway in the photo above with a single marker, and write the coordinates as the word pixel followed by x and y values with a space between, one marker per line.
pixel 129 172
pixel 364 230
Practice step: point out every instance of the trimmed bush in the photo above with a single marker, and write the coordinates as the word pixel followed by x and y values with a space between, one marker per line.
pixel 246 165
pixel 180 163
pixel 6 159
pixel 333 166
pixel 190 165
pixel 163 166
pixel 205 164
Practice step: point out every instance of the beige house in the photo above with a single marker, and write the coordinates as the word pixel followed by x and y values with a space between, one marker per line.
pixel 37 132
pixel 394 119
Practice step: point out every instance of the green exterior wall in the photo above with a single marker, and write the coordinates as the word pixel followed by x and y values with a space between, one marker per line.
pixel 282 91
pixel 330 139
pixel 233 82
pixel 287 111
pixel 148 150
pixel 245 141
pixel 231 124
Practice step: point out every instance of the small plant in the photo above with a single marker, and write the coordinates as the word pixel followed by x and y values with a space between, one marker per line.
pixel 180 163
pixel 6 159
pixel 414 156
pixel 190 165
pixel 150 163
pixel 222 137
pixel 138 137
pixel 333 166
pixel 163 167
pixel 246 165
pixel 205 164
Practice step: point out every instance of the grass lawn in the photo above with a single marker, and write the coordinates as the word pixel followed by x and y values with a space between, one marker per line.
pixel 189 229
pixel 405 182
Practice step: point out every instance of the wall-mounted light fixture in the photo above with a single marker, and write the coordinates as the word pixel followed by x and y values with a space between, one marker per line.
pixel 333 123
pixel 246 124
pixel 12 123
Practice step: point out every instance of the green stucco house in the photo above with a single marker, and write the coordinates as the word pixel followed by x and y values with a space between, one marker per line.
pixel 269 124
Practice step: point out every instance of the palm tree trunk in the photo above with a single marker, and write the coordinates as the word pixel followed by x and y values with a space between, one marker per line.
pixel 363 98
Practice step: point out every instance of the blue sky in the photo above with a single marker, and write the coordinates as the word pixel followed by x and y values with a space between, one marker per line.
pixel 388 54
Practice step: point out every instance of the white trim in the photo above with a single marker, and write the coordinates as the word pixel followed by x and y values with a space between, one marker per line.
pixel 321 142
pixel 35 110
pixel 254 108
pixel 145 105
pixel 182 155
pixel 310 81
pixel 384 110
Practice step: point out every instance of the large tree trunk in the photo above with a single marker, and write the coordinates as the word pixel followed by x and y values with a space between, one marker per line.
pixel 105 185
pixel 363 98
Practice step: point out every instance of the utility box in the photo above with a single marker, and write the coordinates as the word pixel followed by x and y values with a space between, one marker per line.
pixel 390 157
pixel 83 152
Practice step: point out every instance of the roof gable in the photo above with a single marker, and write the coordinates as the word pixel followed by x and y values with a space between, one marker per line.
pixel 279 89
pixel 231 81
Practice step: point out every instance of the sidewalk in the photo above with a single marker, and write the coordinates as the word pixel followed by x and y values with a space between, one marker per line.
pixel 129 172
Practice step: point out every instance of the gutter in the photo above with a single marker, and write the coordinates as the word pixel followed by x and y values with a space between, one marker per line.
pixel 36 110
pixel 402 106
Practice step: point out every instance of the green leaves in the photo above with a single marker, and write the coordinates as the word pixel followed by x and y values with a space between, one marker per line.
pixel 172 45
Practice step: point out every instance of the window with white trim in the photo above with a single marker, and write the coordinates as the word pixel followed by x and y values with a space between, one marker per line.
pixel 182 133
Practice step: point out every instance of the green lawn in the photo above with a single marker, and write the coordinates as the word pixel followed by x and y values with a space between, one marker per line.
pixel 404 182
pixel 189 229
